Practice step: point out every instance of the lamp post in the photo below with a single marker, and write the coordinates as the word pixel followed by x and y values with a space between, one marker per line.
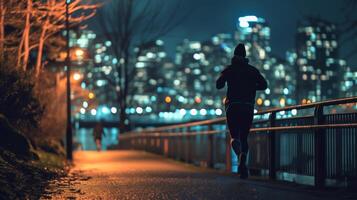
pixel 68 73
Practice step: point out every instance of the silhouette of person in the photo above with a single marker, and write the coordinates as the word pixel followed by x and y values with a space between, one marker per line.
pixel 243 80
pixel 98 134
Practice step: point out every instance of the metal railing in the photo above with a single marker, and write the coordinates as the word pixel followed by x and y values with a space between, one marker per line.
pixel 300 143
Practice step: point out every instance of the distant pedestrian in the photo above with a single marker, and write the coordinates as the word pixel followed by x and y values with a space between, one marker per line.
pixel 243 80
pixel 98 134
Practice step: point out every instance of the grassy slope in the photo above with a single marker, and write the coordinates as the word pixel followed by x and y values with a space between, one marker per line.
pixel 27 179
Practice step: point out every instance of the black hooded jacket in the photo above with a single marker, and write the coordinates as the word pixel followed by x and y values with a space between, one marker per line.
pixel 243 80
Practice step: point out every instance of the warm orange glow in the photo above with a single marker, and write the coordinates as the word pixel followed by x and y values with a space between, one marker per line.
pixel 304 101
pixel 308 101
pixel 168 99
pixel 198 100
pixel 76 76
pixel 282 102
pixel 260 101
pixel 79 52
pixel 91 95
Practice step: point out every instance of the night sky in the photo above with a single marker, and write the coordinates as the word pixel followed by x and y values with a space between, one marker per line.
pixel 210 17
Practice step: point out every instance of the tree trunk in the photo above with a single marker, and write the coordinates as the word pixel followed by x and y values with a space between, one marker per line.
pixel 40 49
pixel 2 30
pixel 126 83
pixel 122 119
pixel 26 35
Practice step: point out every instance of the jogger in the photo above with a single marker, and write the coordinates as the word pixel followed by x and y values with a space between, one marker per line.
pixel 243 80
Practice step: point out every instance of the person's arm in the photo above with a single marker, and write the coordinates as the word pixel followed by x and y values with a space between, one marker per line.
pixel 262 84
pixel 221 81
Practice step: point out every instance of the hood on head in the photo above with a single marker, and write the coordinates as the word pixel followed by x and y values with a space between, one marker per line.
pixel 239 60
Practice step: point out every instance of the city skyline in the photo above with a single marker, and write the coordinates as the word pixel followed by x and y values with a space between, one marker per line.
pixel 215 17
pixel 184 84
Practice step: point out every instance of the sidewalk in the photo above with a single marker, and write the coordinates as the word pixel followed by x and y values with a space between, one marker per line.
pixel 140 175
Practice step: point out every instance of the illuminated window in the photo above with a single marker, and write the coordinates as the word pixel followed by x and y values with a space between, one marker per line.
pixel 304 77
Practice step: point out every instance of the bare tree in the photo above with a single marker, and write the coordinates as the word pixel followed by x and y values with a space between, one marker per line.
pixel 11 20
pixel 2 29
pixel 34 22
pixel 133 23
pixel 51 19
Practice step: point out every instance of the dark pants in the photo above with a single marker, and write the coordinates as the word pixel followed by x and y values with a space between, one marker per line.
pixel 239 120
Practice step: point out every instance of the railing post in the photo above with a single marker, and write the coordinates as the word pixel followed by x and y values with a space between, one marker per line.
pixel 211 149
pixel 272 138
pixel 188 146
pixel 320 167
pixel 228 152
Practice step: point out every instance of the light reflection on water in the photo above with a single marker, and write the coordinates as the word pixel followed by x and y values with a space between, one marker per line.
pixel 84 138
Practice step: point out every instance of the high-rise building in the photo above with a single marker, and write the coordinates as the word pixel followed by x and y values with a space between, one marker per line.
pixel 150 86
pixel 318 64
pixel 93 74
pixel 255 33
pixel 349 82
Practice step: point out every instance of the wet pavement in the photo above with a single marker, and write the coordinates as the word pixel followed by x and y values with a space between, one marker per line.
pixel 139 175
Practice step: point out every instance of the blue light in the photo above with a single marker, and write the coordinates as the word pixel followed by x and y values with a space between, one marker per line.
pixel 148 109
pixel 203 112
pixel 182 111
pixel 105 110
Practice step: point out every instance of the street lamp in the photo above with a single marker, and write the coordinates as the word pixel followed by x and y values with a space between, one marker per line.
pixel 69 147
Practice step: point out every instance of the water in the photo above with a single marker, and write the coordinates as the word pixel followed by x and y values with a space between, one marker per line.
pixel 83 138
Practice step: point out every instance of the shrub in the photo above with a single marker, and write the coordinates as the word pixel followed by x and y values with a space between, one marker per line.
pixel 17 99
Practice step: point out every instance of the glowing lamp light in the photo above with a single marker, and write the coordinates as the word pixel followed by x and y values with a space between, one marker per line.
pixel 114 110
pixel 91 95
pixel 82 111
pixel 182 111
pixel 244 21
pixel 193 112
pixel 105 110
pixel 304 101
pixel 198 100
pixel 267 102
pixel 148 109
pixel 203 112
pixel 93 112
pixel 294 112
pixel 168 99
pixel 197 56
pixel 219 112
pixel 79 52
pixel 139 110
pixel 259 101
pixel 282 102
pixel 244 24
pixel 76 76
pixel 85 104
pixel 249 18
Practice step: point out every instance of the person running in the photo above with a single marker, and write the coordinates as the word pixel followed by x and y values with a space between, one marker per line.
pixel 243 80
pixel 98 134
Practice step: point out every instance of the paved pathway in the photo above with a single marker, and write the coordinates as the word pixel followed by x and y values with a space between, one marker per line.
pixel 139 175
